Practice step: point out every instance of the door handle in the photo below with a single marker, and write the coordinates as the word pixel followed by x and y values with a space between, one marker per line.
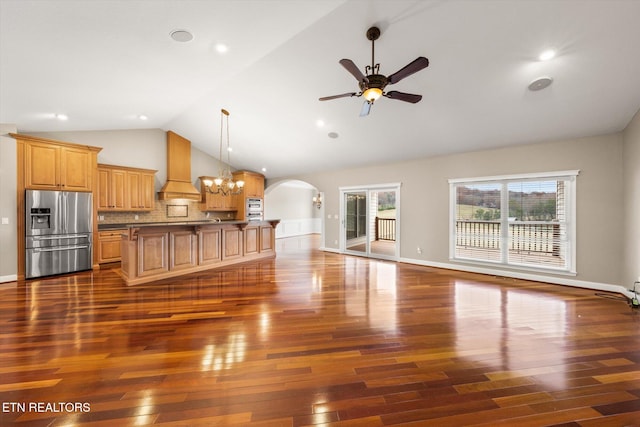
pixel 59 248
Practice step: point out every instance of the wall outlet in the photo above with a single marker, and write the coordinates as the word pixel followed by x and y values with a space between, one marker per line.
pixel 419 250
pixel 135 217
pixel 208 214
pixel 228 215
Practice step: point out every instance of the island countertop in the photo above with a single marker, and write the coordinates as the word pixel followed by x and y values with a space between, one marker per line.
pixel 172 223
pixel 159 250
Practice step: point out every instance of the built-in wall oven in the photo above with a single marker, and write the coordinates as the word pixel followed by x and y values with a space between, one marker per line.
pixel 58 231
pixel 254 209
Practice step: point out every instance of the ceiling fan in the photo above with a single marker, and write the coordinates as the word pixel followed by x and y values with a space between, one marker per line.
pixel 372 84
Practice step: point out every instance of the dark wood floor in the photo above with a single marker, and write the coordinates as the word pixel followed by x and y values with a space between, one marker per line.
pixel 314 338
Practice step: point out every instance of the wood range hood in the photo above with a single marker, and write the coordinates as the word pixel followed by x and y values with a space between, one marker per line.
pixel 178 185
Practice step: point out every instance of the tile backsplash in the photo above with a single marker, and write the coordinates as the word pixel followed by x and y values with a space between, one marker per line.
pixel 164 211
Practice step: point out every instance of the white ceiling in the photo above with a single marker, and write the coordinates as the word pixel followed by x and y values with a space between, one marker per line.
pixel 103 63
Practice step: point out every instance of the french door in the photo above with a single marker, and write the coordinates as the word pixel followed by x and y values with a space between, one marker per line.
pixel 370 221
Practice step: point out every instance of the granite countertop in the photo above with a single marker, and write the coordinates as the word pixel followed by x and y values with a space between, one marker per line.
pixel 164 223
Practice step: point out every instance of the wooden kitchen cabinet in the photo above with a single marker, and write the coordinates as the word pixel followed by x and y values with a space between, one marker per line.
pixel 111 188
pixel 153 253
pixel 183 249
pixel 216 202
pixel 253 189
pixel 253 183
pixel 109 245
pixel 50 166
pixel 141 186
pixel 258 238
pixel 122 188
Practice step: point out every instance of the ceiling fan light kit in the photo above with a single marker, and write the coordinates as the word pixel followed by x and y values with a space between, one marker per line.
pixel 373 84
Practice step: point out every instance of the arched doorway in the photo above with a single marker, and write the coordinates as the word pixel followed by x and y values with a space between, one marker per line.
pixel 292 201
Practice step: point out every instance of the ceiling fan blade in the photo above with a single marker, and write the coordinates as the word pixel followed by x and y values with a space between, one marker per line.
pixel 407 97
pixel 354 70
pixel 413 67
pixel 343 95
pixel 366 107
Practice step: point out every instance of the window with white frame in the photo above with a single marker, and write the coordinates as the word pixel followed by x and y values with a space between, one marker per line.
pixel 523 221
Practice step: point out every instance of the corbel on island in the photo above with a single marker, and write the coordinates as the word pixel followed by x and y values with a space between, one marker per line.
pixel 156 251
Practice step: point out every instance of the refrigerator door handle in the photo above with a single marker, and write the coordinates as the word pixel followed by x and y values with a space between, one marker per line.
pixel 57 237
pixel 59 248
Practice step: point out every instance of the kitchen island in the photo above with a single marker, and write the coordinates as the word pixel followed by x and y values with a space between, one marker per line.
pixel 155 251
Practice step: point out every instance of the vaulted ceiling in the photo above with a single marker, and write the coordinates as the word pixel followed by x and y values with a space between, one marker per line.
pixel 106 63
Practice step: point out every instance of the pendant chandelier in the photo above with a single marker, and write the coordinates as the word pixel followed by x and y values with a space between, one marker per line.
pixel 224 183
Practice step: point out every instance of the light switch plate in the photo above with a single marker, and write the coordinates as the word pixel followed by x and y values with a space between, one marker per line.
pixel 5 221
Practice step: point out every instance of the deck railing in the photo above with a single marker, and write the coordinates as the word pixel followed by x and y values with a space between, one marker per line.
pixel 523 237
pixel 385 229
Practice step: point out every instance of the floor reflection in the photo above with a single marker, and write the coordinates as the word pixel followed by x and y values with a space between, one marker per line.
pixel 503 321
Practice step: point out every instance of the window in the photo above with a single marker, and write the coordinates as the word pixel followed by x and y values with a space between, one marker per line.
pixel 525 221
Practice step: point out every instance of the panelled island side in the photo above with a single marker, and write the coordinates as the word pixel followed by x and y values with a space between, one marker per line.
pixel 156 251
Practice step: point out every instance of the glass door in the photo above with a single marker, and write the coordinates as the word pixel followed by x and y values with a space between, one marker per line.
pixel 383 242
pixel 355 222
pixel 370 221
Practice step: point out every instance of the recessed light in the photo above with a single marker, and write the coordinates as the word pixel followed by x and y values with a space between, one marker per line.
pixel 547 55
pixel 319 123
pixel 181 36
pixel 264 169
pixel 142 117
pixel 222 48
pixel 540 83
pixel 62 117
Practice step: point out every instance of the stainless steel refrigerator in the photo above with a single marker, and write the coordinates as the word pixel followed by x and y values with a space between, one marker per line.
pixel 59 232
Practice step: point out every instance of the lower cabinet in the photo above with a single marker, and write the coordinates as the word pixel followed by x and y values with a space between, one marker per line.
pixel 231 243
pixel 267 239
pixel 209 249
pixel 153 253
pixel 251 240
pixel 159 252
pixel 108 245
pixel 258 239
pixel 182 249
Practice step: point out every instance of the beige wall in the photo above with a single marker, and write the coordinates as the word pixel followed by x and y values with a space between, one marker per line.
pixel 631 249
pixel 8 207
pixel 290 202
pixel 425 197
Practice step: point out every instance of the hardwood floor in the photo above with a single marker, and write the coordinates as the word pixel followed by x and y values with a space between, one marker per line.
pixel 316 338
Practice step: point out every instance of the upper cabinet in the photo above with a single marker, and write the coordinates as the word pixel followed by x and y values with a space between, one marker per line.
pixel 111 188
pixel 58 166
pixel 253 183
pixel 122 188
pixel 216 202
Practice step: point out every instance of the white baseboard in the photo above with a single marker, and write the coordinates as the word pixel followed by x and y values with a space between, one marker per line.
pixel 607 287
pixel 334 250
pixel 9 278
pixel 298 227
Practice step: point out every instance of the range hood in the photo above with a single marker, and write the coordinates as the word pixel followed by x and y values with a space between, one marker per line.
pixel 179 185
